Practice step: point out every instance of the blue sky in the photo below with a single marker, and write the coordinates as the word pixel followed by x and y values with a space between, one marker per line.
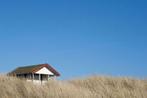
pixel 77 37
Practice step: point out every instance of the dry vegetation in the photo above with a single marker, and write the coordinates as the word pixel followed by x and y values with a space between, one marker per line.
pixel 92 87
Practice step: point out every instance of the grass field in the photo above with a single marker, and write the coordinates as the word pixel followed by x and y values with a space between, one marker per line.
pixel 90 87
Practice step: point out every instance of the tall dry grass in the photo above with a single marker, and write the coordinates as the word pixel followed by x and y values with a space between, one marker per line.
pixel 92 87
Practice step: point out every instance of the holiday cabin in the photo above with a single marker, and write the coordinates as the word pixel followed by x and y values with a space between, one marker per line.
pixel 40 73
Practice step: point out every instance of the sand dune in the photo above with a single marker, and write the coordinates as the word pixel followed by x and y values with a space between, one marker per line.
pixel 90 87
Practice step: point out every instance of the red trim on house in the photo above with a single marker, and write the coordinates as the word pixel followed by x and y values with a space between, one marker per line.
pixel 48 67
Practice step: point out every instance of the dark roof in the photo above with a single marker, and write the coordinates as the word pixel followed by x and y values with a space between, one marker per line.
pixel 33 69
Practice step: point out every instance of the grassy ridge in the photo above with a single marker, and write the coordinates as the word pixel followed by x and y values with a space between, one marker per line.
pixel 91 87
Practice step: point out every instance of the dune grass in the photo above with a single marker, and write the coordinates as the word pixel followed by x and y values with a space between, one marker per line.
pixel 91 87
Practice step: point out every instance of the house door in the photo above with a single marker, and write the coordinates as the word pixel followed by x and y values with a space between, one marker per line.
pixel 43 77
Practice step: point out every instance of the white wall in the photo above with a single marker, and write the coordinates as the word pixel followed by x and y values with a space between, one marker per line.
pixel 37 82
pixel 44 70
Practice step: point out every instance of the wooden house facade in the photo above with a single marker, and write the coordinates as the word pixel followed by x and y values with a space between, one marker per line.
pixel 40 73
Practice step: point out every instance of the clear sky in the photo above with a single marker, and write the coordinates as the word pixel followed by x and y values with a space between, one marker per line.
pixel 77 37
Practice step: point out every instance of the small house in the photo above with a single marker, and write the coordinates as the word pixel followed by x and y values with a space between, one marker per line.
pixel 40 73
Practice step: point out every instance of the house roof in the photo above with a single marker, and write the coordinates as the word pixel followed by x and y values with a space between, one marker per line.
pixel 33 69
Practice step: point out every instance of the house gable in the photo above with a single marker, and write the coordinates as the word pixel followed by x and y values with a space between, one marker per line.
pixel 44 70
